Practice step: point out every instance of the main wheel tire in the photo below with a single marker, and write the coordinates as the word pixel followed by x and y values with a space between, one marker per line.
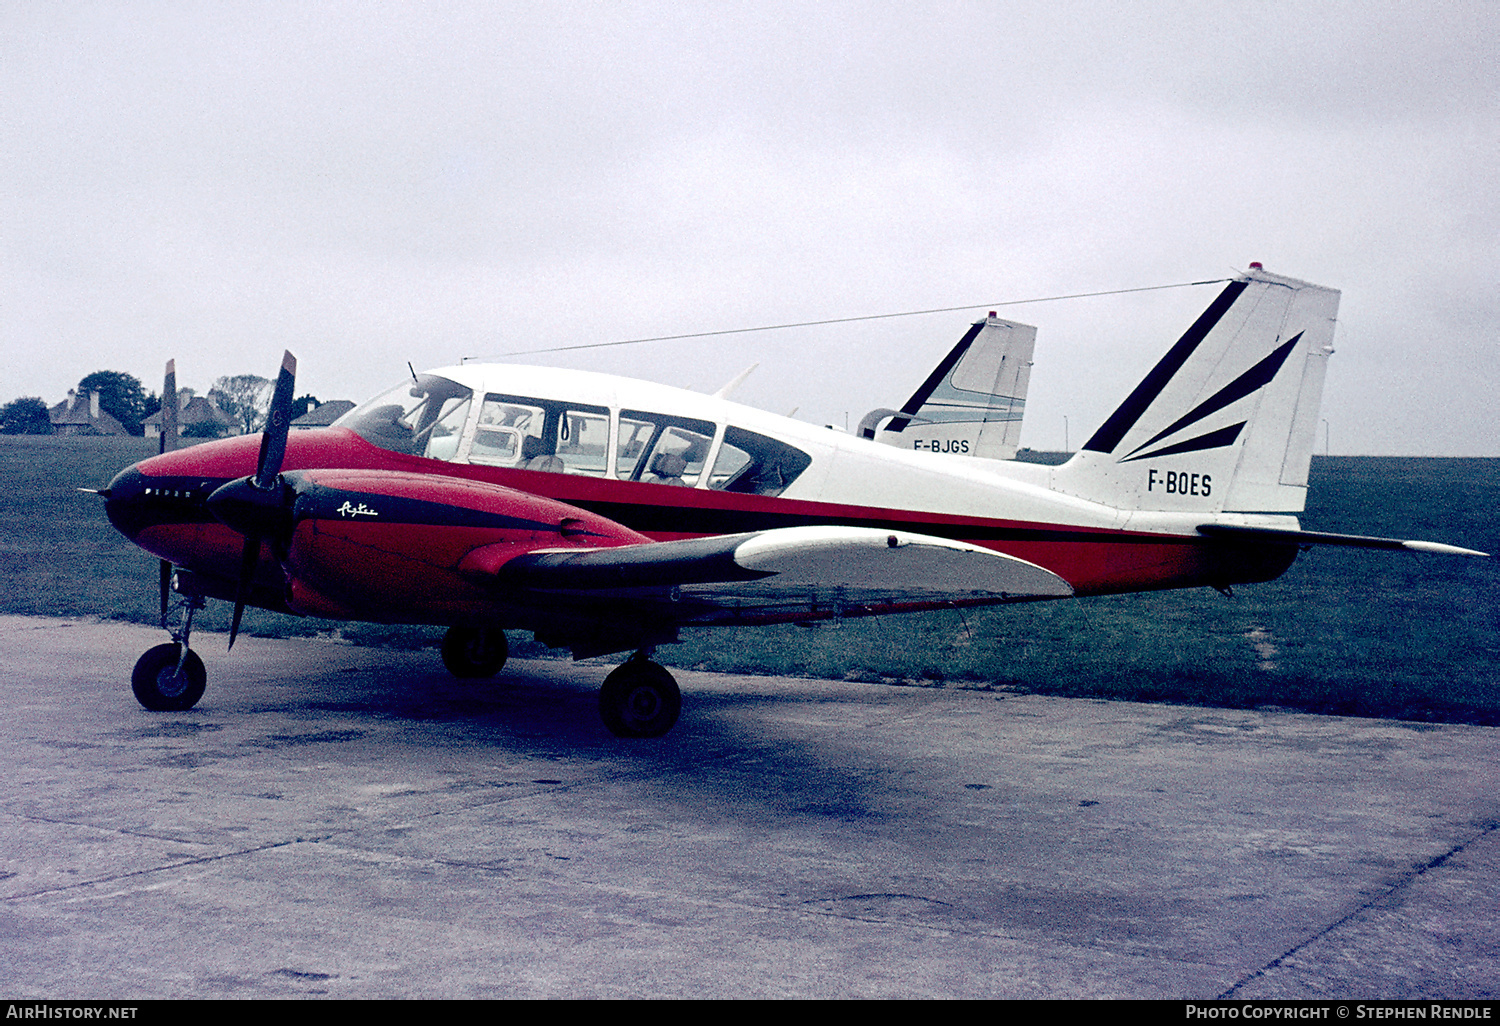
pixel 639 699
pixel 161 686
pixel 473 652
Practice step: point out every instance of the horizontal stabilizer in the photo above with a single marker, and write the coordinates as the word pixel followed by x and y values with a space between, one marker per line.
pixel 1235 531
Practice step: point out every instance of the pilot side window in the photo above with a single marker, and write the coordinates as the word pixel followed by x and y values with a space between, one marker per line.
pixel 447 429
pixel 755 464
pixel 541 434
pixel 661 449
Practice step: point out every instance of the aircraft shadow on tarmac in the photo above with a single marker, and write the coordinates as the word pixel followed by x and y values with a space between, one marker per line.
pixel 764 763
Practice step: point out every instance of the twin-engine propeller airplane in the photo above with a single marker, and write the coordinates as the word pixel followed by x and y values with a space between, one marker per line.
pixel 605 514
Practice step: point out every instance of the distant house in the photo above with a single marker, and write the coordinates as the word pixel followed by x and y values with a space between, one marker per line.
pixel 322 416
pixel 80 415
pixel 197 417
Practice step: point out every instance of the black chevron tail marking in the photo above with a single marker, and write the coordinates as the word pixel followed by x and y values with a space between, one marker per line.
pixel 1122 420
pixel 1213 440
pixel 936 378
pixel 1254 378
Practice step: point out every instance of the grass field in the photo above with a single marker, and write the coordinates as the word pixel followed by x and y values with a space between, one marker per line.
pixel 1345 631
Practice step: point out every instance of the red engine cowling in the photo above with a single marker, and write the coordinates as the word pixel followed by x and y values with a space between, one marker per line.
pixel 416 548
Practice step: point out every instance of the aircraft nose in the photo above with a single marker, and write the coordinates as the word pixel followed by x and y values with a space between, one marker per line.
pixel 135 501
pixel 124 502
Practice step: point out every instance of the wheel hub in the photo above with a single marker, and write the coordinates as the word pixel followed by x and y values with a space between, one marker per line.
pixel 642 704
pixel 171 682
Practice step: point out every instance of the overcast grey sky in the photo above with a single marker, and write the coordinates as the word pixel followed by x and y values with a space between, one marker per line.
pixel 372 183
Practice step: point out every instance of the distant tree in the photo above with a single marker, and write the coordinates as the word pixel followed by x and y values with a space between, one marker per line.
pixel 245 397
pixel 121 396
pixel 303 405
pixel 25 416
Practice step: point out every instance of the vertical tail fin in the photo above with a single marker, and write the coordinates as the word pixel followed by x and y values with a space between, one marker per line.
pixel 972 402
pixel 1227 419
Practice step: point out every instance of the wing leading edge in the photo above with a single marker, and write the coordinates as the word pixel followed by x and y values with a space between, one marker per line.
pixel 786 573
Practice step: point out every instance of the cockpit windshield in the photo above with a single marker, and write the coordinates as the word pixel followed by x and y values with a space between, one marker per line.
pixel 424 417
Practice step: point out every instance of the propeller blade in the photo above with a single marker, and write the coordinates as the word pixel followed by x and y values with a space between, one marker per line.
pixel 278 422
pixel 248 563
pixel 168 440
pixel 254 504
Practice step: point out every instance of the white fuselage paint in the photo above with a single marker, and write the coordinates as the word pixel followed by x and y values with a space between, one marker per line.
pixel 845 469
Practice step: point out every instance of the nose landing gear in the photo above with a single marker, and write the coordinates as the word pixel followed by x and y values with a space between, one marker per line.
pixel 171 677
pixel 168 678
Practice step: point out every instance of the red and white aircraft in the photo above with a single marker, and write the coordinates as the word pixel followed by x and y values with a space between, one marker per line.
pixel 605 514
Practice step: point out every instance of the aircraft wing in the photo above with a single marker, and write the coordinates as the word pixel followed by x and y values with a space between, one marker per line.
pixel 783 574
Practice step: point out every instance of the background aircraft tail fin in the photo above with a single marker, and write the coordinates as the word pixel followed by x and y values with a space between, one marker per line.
pixel 971 404
pixel 1226 421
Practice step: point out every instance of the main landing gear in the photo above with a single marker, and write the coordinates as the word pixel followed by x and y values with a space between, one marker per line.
pixel 471 653
pixel 171 678
pixel 639 699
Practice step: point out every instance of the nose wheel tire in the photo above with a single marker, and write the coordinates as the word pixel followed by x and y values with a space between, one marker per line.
pixel 639 699
pixel 162 685
pixel 472 652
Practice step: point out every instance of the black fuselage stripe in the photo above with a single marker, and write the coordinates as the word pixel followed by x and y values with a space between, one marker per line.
pixel 322 503
pixel 657 520
pixel 678 520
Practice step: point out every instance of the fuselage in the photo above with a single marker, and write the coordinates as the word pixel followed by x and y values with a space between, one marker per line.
pixel 481 456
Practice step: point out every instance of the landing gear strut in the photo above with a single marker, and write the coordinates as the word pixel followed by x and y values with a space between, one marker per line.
pixel 171 678
pixel 639 699
pixel 474 652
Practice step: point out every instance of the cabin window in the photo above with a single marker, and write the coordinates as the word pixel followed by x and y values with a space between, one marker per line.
pixel 755 464
pixel 661 449
pixel 422 418
pixel 541 434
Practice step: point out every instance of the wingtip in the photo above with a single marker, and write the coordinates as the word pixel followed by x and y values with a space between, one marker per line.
pixel 1439 547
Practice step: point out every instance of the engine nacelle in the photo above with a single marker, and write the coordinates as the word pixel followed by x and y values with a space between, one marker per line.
pixel 398 547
